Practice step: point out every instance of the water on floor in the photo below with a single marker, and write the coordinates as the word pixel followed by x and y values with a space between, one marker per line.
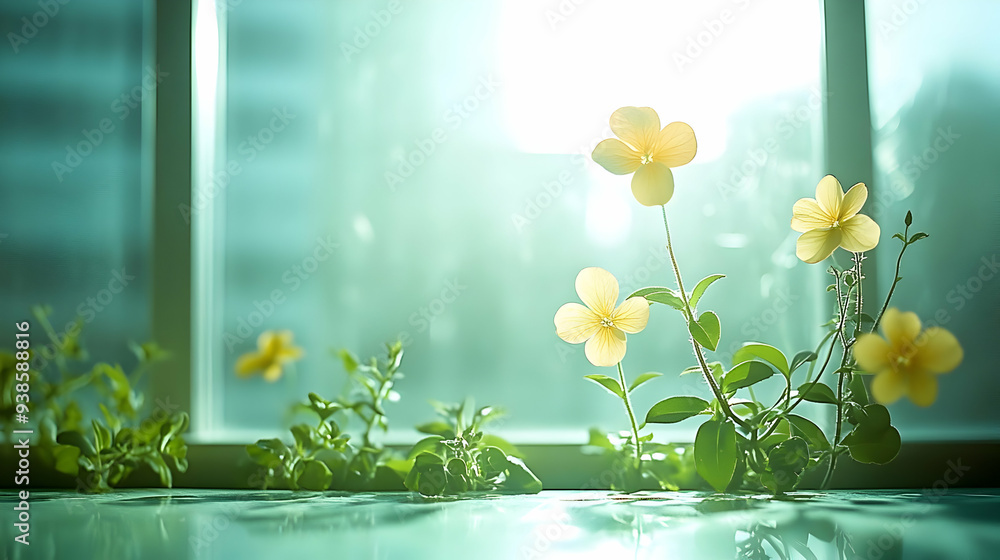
pixel 178 524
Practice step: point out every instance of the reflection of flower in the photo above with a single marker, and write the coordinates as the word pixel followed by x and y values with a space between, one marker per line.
pixel 647 151
pixel 906 360
pixel 274 350
pixel 599 322
pixel 831 220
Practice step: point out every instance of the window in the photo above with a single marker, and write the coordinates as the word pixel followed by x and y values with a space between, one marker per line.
pixel 422 171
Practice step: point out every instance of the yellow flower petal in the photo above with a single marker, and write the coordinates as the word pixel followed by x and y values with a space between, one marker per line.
pixel 653 184
pixel 818 244
pixel 807 215
pixel 899 328
pixel 273 372
pixel 675 145
pixel 632 315
pixel 829 195
pixel 860 234
pixel 853 201
pixel 923 388
pixel 872 353
pixel 598 290
pixel 266 341
pixel 606 348
pixel 612 154
pixel 938 351
pixel 290 353
pixel 251 362
pixel 888 386
pixel 637 126
pixel 576 323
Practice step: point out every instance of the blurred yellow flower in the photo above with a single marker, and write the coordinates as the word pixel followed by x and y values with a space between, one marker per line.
pixel 831 220
pixel 274 350
pixel 647 151
pixel 906 360
pixel 599 322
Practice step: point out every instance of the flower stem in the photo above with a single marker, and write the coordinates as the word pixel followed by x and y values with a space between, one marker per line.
pixel 631 417
pixel 706 371
pixel 895 279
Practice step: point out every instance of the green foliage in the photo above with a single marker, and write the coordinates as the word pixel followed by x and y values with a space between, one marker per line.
pixel 668 466
pixel 100 452
pixel 322 456
pixel 752 445
pixel 458 457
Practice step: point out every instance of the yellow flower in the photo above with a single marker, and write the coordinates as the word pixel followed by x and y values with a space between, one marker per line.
pixel 906 360
pixel 274 350
pixel 831 220
pixel 647 151
pixel 600 323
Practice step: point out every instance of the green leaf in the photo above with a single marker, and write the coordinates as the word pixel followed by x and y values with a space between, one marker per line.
pixel 520 479
pixel 789 455
pixel 779 481
pixel 159 466
pixel 806 429
pixel 745 374
pixel 765 352
pixel 650 290
pixel 504 445
pixel 349 360
pixel 437 428
pixel 268 451
pixel 715 453
pixel 493 461
pixel 430 444
pixel 315 475
pixel 67 459
pixel 323 407
pixel 868 445
pixel 427 475
pixel 803 357
pixel 706 330
pixel 818 393
pixel 908 220
pixel 699 289
pixel 917 237
pixel 102 436
pixel 608 383
pixel 675 409
pixel 303 436
pixel 666 298
pixel 874 416
pixel 642 379
pixel 858 392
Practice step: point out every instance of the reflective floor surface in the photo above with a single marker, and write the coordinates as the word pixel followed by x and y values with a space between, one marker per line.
pixel 178 524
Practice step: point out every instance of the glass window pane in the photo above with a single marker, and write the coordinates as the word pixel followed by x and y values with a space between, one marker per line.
pixel 935 90
pixel 425 173
pixel 73 178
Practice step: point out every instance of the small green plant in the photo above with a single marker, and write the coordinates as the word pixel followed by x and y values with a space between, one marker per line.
pixel 322 456
pixel 105 450
pixel 458 457
pixel 667 466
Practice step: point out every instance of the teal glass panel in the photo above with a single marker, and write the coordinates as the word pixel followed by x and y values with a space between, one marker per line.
pixel 423 170
pixel 935 91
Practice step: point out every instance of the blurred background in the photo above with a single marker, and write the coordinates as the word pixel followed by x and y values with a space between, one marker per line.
pixel 420 170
